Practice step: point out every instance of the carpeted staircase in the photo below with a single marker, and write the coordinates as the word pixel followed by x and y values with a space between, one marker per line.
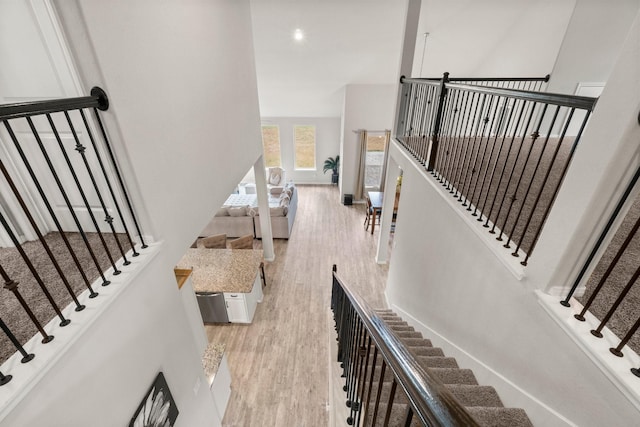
pixel 481 402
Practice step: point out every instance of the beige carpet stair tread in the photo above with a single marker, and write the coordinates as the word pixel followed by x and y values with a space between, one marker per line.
pixel 417 342
pixel 476 395
pixel 394 325
pixel 426 351
pixel 401 328
pixel 390 317
pixel 454 376
pixel 408 334
pixel 437 362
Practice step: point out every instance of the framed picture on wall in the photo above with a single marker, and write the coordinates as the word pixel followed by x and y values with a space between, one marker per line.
pixel 157 407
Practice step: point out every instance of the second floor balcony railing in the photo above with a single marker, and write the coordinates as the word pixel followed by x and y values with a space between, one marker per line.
pixel 63 194
pixel 500 147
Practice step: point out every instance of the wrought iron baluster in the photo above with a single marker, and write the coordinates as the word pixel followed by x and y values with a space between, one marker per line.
pixel 607 273
pixel 349 346
pixel 437 122
pixel 363 390
pixel 409 418
pixel 371 382
pixel 81 150
pixel 481 126
pixel 77 182
pixel 392 395
pixel 356 398
pixel 123 188
pixel 618 350
pixel 468 147
pixel 498 160
pixel 36 229
pixel 421 93
pixel 47 204
pixel 431 112
pixel 472 130
pixel 34 272
pixel 383 367
pixel 544 183
pixel 504 164
pixel 562 174
pixel 598 331
pixel 4 379
pixel 482 161
pixel 354 366
pixel 534 137
pixel 512 174
pixel 530 185
pixel 12 286
pixel 442 157
pixel 460 143
pixel 26 357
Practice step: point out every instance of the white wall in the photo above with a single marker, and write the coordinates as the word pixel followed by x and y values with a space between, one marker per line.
pixel 327 145
pixel 453 280
pixel 445 280
pixel 369 107
pixel 492 38
pixel 186 127
pixel 592 43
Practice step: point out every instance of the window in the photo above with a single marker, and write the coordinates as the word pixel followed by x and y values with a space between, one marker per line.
pixel 304 142
pixel 374 161
pixel 271 145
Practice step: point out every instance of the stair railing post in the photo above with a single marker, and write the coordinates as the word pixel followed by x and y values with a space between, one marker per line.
pixel 438 122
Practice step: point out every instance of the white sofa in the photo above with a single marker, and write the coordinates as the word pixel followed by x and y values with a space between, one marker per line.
pixel 281 219
pixel 240 220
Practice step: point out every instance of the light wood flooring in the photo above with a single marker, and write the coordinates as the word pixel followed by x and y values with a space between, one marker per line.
pixel 279 364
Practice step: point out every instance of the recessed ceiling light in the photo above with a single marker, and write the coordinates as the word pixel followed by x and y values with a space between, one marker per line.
pixel 298 35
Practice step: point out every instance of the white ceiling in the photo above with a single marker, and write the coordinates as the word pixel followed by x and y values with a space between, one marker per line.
pixel 347 42
pixel 359 42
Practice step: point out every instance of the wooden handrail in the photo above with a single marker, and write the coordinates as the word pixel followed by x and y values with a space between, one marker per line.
pixel 432 402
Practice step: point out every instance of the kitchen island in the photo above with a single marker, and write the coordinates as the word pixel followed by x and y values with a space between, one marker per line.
pixel 232 272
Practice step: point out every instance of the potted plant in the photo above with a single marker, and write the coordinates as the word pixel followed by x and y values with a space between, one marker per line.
pixel 332 164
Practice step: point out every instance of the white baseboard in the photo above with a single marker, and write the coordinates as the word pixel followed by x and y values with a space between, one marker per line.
pixel 538 412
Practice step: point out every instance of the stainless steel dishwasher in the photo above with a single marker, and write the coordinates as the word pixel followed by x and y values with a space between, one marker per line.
pixel 212 307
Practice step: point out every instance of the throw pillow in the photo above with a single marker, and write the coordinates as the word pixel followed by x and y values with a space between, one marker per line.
pixel 238 211
pixel 279 211
pixel 274 179
pixel 222 212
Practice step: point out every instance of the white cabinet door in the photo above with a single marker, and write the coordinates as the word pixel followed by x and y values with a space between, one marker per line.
pixel 236 308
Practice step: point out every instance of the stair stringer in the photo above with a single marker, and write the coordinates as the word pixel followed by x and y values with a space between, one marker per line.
pixel 511 394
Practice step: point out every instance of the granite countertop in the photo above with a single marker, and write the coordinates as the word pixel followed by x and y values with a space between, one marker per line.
pixel 211 360
pixel 222 270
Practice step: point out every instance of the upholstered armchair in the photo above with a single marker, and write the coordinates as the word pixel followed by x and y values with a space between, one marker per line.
pixel 275 179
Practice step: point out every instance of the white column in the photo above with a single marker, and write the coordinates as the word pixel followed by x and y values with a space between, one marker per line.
pixel 263 209
pixel 393 171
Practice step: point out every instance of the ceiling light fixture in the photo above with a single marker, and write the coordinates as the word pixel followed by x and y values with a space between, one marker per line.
pixel 298 35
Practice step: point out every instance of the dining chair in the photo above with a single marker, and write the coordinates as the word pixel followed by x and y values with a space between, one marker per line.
pixel 217 241
pixel 368 212
pixel 246 242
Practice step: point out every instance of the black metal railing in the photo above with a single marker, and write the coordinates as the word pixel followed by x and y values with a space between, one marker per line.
pixel 53 191
pixel 370 353
pixel 611 293
pixel 499 146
